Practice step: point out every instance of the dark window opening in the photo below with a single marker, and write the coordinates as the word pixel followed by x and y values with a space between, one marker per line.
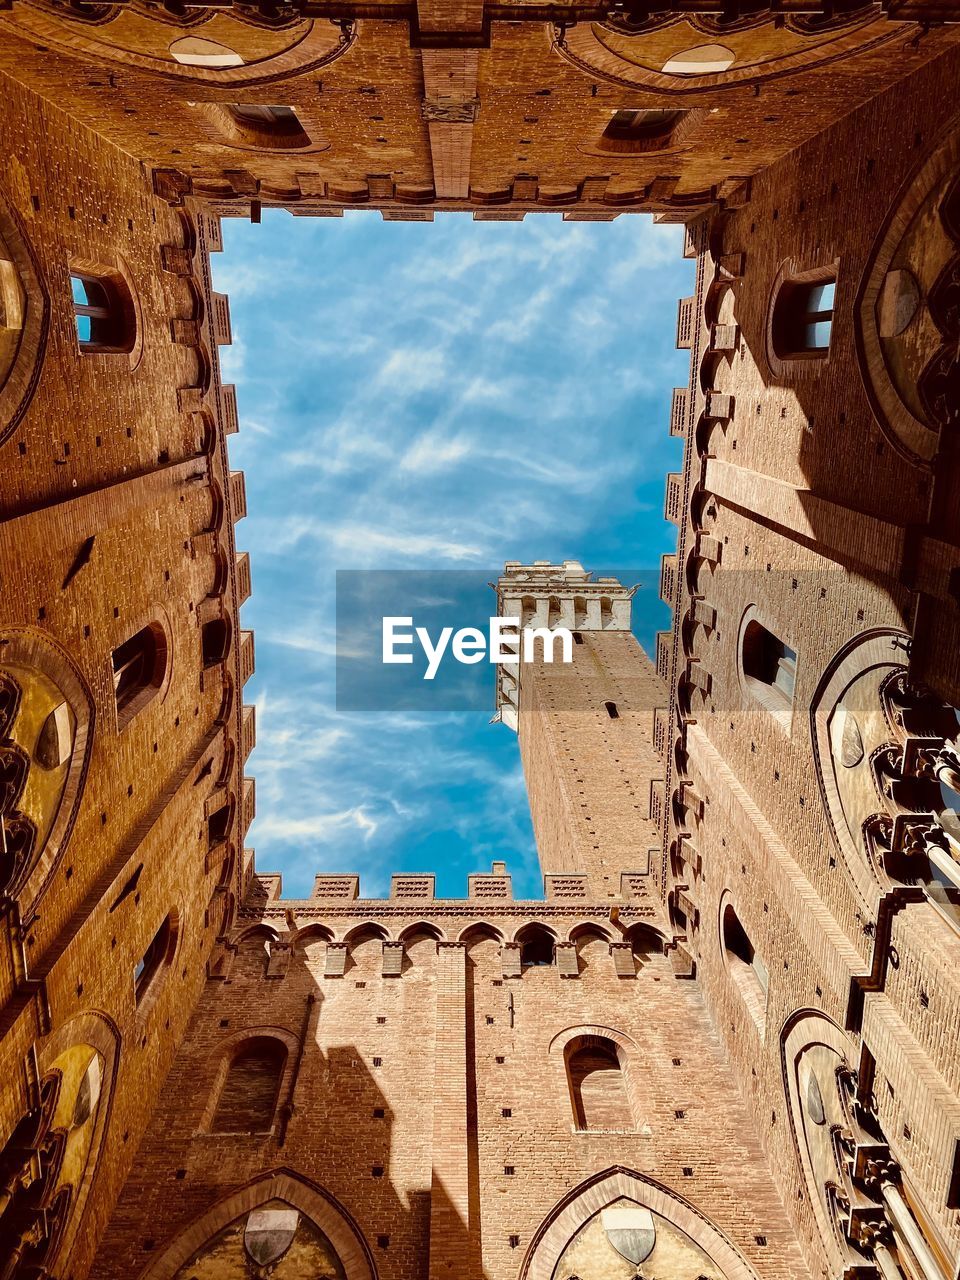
pixel 215 641
pixel 256 124
pixel 770 665
pixel 612 711
pixel 803 318
pixel 218 825
pixel 536 949
pixel 745 966
pixel 159 953
pixel 953 1188
pixel 597 1086
pixel 577 638
pixel 139 665
pixel 248 1099
pixel 629 125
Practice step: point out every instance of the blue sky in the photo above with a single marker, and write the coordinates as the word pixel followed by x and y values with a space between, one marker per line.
pixel 441 396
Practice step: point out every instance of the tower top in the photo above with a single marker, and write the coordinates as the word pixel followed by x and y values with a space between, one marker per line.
pixel 548 595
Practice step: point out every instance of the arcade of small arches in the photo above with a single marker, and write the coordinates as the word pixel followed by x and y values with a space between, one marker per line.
pixel 532 946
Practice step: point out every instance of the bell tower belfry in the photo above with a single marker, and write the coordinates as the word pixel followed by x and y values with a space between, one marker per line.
pixel 585 726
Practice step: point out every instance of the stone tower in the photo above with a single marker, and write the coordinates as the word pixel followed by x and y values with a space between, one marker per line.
pixel 585 727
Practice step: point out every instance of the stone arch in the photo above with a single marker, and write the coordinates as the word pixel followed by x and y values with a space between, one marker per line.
pixel 261 930
pixel 291 49
pixel 540 924
pixel 312 932
pixel 480 929
pixel 870 656
pixel 369 928
pixel 804 1031
pixel 584 1202
pixel 892 362
pixel 639 60
pixel 628 1054
pixel 421 928
pixel 34 669
pixel 588 927
pixel 743 962
pixel 99 1032
pixel 21 353
pixel 281 1184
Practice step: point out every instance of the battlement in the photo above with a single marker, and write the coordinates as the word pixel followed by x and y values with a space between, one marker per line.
pixel 407 888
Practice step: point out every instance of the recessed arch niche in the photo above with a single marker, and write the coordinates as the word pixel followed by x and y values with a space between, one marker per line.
pixel 687 54
pixel 598 1230
pixel 815 1059
pixel 129 36
pixel 848 725
pixel 24 313
pixel 906 327
pixel 46 719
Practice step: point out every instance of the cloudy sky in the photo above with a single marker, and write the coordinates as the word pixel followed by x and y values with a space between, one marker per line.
pixel 440 396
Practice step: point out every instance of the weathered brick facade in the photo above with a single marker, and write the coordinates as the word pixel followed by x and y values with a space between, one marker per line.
pixel 731 1022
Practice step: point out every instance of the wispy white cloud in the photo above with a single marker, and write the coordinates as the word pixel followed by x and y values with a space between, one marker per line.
pixel 447 397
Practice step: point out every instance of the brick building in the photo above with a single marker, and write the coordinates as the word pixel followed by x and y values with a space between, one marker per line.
pixel 723 1044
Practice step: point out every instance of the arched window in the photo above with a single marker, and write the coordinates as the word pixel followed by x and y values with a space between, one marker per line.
pixel 553 612
pixel 157 955
pixel 139 665
pixel 248 1098
pixel 803 318
pixel 192 51
pixel 745 966
pixel 528 609
pixel 579 611
pixel 103 310
pixel 769 668
pixel 606 612
pixel 536 947
pixel 597 1086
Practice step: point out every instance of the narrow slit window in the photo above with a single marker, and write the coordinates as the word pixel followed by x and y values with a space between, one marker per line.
pixel 612 710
